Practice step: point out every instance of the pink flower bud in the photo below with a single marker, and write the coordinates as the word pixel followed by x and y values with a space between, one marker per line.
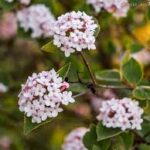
pixel 64 86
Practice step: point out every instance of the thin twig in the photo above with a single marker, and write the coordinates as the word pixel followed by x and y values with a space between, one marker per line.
pixel 88 67
pixel 78 95
pixel 113 87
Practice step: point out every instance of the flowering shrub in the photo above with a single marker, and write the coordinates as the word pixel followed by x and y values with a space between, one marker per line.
pixel 100 49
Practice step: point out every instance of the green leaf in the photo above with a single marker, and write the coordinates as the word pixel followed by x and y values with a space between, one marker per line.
pixel 145 132
pixel 102 145
pixel 142 92
pixel 125 57
pixel 29 126
pixel 117 144
pixel 96 147
pixel 106 133
pixel 147 111
pixel 108 75
pixel 49 47
pixel 109 78
pixel 77 88
pixel 90 138
pixel 123 142
pixel 132 71
pixel 127 139
pixel 135 47
pixel 98 27
pixel 63 72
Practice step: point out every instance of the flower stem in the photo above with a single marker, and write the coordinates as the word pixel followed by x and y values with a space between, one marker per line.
pixel 113 87
pixel 88 67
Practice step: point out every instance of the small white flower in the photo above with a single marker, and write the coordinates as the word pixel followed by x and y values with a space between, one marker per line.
pixel 74 140
pixel 43 95
pixel 3 88
pixel 74 31
pixel 124 113
pixel 67 98
pixel 38 19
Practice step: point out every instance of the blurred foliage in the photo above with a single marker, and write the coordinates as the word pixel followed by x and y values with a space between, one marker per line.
pixel 21 56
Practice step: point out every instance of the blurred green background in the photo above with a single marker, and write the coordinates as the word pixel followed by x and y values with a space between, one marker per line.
pixel 21 56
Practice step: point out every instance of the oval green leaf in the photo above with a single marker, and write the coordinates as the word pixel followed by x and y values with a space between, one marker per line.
pixel 29 126
pixel 108 75
pixel 142 92
pixel 104 133
pixel 132 71
pixel 49 47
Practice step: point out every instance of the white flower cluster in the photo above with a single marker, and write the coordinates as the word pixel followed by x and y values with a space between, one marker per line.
pixel 124 114
pixel 118 8
pixel 25 2
pixel 74 31
pixel 37 19
pixel 3 88
pixel 43 94
pixel 74 140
